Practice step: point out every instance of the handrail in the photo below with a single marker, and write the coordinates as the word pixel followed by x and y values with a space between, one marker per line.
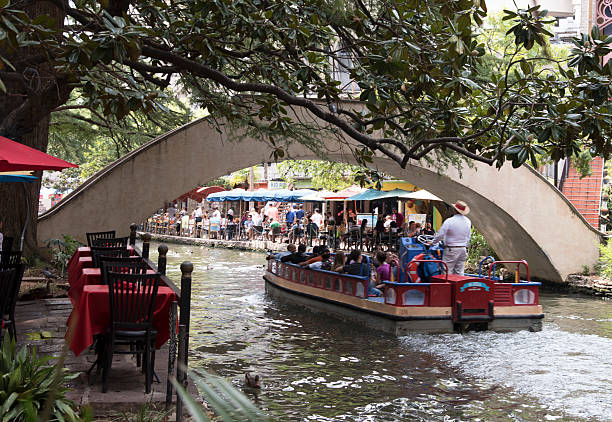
pixel 518 264
pixel 482 262
pixel 164 278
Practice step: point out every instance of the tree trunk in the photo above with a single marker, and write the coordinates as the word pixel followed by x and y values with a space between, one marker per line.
pixel 24 117
pixel 13 207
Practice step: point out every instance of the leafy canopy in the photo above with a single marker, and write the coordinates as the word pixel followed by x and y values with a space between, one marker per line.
pixel 414 66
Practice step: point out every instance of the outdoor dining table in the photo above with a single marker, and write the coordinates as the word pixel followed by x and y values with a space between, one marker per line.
pixel 87 277
pixel 82 259
pixel 91 316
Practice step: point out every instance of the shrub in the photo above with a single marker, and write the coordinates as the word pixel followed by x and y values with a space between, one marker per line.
pixel 605 261
pixel 478 248
pixel 62 250
pixel 27 382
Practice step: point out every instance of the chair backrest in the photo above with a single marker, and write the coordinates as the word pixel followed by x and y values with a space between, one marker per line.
pixel 115 242
pixel 7 279
pixel 132 300
pixel 13 292
pixel 98 251
pixel 119 264
pixel 99 235
pixel 10 259
pixel 7 243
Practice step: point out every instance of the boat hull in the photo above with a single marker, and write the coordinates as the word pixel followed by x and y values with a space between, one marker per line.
pixel 398 321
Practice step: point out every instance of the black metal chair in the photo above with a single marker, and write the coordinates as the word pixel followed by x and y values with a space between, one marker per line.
pixel 99 251
pixel 120 264
pixel 7 243
pixel 10 281
pixel 132 301
pixel 115 242
pixel 10 259
pixel 99 235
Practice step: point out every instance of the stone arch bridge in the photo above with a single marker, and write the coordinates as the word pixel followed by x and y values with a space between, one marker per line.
pixel 520 213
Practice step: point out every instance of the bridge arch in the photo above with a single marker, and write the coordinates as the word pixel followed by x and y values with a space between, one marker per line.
pixel 518 211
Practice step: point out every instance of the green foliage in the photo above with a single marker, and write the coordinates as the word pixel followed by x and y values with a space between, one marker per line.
pixel 420 69
pixel 605 260
pixel 582 163
pixel 323 174
pixel 478 249
pixel 229 404
pixel 26 383
pixel 586 270
pixel 85 135
pixel 62 250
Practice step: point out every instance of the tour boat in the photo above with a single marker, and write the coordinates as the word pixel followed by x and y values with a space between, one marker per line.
pixel 447 303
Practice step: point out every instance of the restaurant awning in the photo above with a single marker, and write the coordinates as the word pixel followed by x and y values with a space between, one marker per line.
pixel 260 195
pixel 200 193
pixel 373 194
pixel 345 194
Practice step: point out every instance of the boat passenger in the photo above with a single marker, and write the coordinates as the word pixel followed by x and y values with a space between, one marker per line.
pixel 317 252
pixel 291 248
pixel 356 267
pixel 323 262
pixel 384 269
pixel 339 261
pixel 297 257
pixel 428 230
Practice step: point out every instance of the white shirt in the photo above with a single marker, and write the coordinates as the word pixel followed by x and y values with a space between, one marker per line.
pixel 317 219
pixel 216 213
pixel 197 212
pixel 455 231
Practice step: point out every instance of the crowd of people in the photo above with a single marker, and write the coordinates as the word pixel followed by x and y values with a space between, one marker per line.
pixel 293 224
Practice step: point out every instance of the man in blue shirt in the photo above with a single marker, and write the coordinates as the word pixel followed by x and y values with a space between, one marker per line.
pixel 290 216
pixel 300 213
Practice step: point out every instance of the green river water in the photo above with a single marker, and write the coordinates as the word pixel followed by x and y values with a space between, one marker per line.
pixel 316 368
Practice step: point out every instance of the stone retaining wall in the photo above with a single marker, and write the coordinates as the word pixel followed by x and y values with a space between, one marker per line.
pixel 246 245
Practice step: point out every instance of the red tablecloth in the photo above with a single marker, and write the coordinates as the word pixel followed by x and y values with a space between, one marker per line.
pixel 87 277
pixel 92 316
pixel 77 266
pixel 82 252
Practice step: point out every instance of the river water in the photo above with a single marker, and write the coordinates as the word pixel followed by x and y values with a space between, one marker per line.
pixel 316 368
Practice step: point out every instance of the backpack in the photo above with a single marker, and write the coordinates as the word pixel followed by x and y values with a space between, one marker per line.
pixel 426 270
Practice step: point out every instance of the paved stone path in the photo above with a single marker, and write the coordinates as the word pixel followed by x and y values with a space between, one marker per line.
pixel 43 323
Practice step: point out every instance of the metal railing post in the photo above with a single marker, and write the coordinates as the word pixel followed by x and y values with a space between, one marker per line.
pixel 172 343
pixel 161 259
pixel 146 243
pixel 133 228
pixel 181 376
pixel 186 270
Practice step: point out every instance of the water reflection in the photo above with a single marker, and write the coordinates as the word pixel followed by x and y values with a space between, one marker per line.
pixel 317 368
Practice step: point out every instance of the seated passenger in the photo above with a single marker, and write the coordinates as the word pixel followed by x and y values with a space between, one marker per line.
pixel 324 263
pixel 290 250
pixel 317 251
pixel 297 257
pixel 383 271
pixel 339 261
pixel 355 267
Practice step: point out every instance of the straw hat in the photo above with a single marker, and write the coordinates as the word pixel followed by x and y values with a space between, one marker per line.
pixel 461 207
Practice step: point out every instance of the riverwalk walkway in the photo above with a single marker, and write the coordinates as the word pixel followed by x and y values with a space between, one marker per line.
pixel 247 245
pixel 42 323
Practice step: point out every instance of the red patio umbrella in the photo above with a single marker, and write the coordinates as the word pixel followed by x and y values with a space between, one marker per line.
pixel 16 157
